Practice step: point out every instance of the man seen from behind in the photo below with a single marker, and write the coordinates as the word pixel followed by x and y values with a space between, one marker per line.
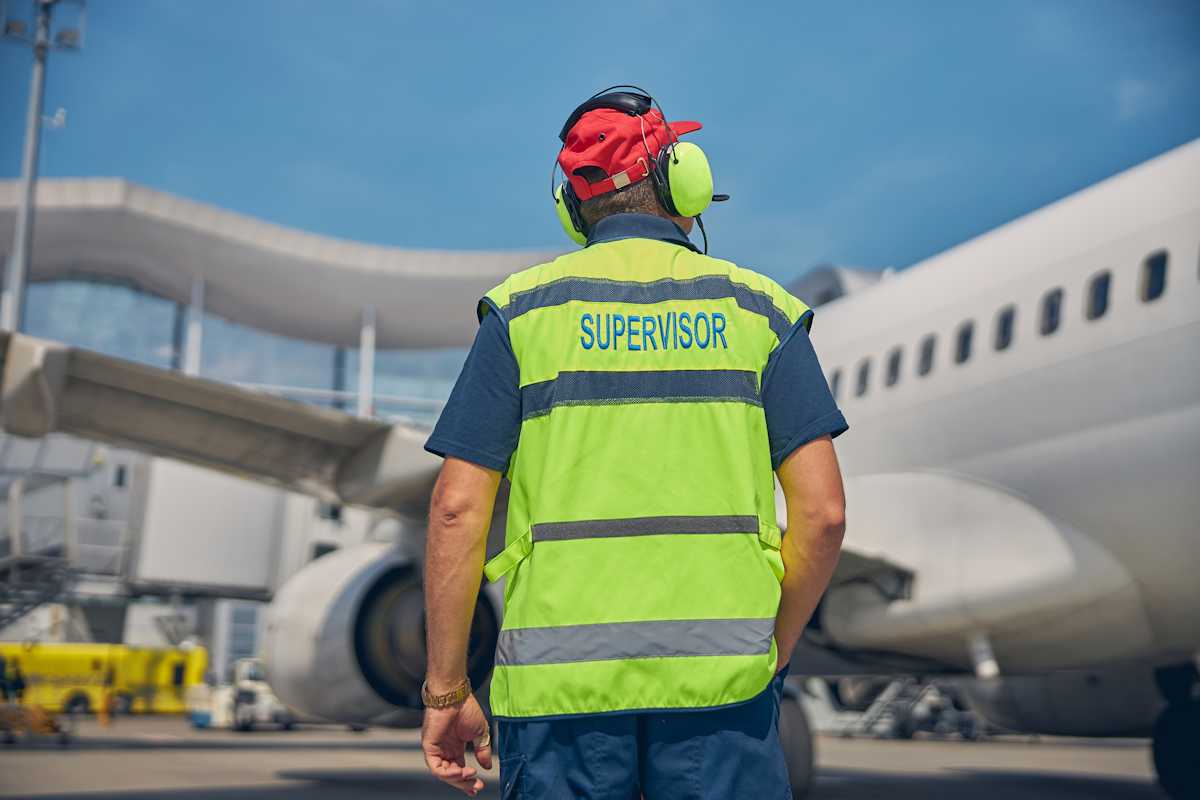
pixel 641 397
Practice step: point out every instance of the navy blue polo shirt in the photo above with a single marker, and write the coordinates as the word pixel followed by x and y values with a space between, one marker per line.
pixel 482 418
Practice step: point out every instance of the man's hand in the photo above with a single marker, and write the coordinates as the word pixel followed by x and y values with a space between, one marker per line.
pixel 444 737
pixel 459 514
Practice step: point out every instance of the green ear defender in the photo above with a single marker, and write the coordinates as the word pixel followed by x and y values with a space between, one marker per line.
pixel 566 206
pixel 684 180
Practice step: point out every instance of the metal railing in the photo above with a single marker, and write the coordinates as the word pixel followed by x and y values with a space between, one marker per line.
pixel 88 545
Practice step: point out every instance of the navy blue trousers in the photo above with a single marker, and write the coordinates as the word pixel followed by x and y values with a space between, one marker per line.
pixel 727 752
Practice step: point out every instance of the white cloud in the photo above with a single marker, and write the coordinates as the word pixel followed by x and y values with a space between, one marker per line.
pixel 1136 97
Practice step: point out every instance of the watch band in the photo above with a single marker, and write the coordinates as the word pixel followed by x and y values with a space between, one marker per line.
pixel 455 697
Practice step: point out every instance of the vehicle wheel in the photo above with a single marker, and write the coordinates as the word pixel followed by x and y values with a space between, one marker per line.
pixel 355 727
pixel 904 727
pixel 243 720
pixel 123 704
pixel 78 704
pixel 797 741
pixel 968 729
pixel 1175 736
pixel 1176 683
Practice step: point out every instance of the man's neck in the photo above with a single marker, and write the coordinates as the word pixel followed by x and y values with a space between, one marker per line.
pixel 631 225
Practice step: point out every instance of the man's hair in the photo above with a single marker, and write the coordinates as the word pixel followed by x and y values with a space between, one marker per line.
pixel 637 198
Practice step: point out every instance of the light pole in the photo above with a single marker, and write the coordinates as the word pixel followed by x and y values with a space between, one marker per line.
pixel 13 301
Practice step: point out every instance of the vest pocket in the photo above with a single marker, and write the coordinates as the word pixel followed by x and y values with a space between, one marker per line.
pixel 770 537
pixel 514 553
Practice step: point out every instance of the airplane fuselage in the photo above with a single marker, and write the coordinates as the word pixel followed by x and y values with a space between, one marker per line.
pixel 1085 404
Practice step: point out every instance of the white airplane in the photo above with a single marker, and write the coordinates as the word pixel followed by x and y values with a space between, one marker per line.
pixel 1023 480
pixel 1025 443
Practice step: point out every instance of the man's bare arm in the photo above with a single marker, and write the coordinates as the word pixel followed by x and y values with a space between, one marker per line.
pixel 816 521
pixel 459 516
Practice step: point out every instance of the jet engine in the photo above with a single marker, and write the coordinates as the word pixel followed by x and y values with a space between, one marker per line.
pixel 1116 701
pixel 345 636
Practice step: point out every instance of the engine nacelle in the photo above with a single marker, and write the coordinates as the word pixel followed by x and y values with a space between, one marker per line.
pixel 1117 701
pixel 345 636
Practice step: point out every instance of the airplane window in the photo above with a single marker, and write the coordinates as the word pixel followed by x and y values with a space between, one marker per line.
pixel 1005 323
pixel 835 383
pixel 962 350
pixel 864 377
pixel 893 367
pixel 1051 311
pixel 1154 276
pixel 925 364
pixel 1097 302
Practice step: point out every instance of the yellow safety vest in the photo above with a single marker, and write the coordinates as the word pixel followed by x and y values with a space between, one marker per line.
pixel 642 550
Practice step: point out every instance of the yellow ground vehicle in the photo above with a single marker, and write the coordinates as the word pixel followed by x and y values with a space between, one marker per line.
pixel 86 677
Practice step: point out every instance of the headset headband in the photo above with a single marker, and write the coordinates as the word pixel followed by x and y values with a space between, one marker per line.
pixel 629 102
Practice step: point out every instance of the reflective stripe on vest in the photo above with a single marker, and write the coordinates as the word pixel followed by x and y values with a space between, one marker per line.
pixel 641 555
pixel 673 638
pixel 647 386
pixel 642 526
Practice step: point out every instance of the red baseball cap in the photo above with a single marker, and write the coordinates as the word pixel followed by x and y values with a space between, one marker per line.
pixel 620 143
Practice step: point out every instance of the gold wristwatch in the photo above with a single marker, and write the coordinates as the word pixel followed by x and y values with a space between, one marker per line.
pixel 455 697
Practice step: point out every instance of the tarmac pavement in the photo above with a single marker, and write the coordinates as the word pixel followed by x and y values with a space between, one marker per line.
pixel 143 758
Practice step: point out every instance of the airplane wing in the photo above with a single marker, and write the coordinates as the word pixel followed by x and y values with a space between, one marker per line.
pixel 51 387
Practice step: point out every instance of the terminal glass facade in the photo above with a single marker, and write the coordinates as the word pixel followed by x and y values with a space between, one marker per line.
pixel 125 321
pixel 111 318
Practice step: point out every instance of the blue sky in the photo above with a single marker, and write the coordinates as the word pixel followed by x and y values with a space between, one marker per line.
pixel 871 134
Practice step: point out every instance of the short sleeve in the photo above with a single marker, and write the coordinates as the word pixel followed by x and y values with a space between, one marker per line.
pixel 796 398
pixel 481 421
